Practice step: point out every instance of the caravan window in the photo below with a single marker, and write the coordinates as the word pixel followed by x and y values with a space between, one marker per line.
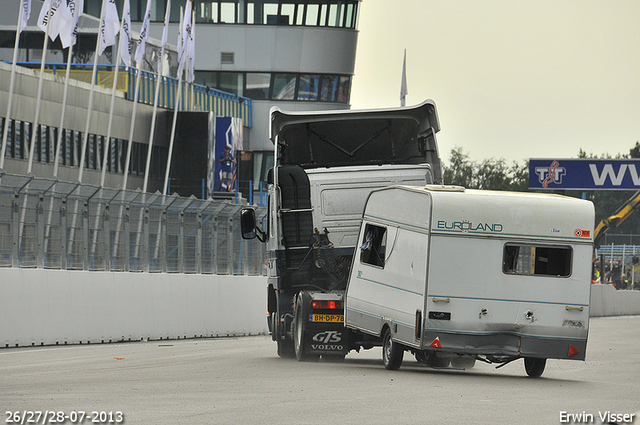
pixel 537 260
pixel 373 246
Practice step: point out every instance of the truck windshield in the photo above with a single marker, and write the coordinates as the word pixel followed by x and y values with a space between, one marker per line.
pixel 537 260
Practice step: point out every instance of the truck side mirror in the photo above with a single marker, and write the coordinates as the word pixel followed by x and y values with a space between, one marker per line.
pixel 248 225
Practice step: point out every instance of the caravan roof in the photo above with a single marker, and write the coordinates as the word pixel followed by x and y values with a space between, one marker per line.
pixel 467 212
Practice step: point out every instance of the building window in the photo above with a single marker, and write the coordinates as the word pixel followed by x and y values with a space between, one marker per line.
pixel 231 82
pixel 261 85
pixel 308 89
pixel 537 260
pixel 90 161
pixel 262 12
pixel 284 86
pixel 257 87
pixel 17 140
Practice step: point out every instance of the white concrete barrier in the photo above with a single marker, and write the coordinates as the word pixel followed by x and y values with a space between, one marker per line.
pixel 607 301
pixel 49 307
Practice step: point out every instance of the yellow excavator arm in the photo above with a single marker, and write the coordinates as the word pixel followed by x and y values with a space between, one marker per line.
pixel 618 217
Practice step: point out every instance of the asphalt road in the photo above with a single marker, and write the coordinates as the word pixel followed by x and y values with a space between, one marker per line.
pixel 242 381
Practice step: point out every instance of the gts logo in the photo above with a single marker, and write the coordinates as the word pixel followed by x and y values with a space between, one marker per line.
pixel 328 337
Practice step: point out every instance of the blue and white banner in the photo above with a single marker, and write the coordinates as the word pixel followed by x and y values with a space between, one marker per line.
pixel 225 143
pixel 584 174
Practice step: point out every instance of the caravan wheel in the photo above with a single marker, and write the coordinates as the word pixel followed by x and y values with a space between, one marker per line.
pixel 534 367
pixel 392 352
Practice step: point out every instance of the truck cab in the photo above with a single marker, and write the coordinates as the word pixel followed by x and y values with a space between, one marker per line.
pixel 326 165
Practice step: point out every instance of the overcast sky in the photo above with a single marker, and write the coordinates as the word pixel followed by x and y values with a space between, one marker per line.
pixel 511 79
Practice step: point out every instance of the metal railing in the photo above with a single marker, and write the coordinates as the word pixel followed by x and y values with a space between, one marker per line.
pixel 51 224
pixel 202 98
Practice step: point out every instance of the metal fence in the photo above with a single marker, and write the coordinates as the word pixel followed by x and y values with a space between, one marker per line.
pixel 46 223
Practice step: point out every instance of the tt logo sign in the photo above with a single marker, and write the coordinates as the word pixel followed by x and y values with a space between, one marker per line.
pixel 585 174
pixel 551 174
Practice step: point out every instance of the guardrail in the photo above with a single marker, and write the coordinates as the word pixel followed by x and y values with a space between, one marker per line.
pixel 202 98
pixel 51 224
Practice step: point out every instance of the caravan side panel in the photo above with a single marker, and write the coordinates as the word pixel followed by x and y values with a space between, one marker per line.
pixel 390 290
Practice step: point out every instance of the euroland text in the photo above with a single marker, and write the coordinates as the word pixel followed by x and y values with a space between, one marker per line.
pixel 601 417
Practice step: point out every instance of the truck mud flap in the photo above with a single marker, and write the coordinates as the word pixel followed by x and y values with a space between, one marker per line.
pixel 327 342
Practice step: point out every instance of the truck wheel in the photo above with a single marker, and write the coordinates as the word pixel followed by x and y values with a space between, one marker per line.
pixel 534 367
pixel 285 349
pixel 298 336
pixel 273 324
pixel 392 352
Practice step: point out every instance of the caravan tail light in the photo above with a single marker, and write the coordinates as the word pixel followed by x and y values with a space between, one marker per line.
pixel 326 305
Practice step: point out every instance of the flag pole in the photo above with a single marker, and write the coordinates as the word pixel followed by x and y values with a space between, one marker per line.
pixel 5 131
pixel 173 133
pixel 403 83
pixel 56 161
pixel 34 129
pixel 107 144
pixel 184 36
pixel 192 59
pixel 113 98
pixel 58 148
pixel 85 136
pixel 156 96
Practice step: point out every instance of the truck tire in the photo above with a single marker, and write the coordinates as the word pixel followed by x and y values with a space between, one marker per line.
pixel 285 346
pixel 285 349
pixel 392 352
pixel 534 367
pixel 299 332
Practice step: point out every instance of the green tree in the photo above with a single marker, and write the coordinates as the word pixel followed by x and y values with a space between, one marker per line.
pixel 461 170
pixel 490 174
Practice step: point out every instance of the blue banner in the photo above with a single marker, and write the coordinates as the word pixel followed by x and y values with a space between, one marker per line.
pixel 584 174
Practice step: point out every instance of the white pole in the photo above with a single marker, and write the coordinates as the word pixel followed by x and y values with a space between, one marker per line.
pixel 173 133
pixel 175 113
pixel 153 126
pixel 12 82
pixel 85 136
pixel 156 97
pixel 34 129
pixel 56 160
pixel 113 98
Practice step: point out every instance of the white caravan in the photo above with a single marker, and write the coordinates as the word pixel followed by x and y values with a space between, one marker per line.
pixel 455 275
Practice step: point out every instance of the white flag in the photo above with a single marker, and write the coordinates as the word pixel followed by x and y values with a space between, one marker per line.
pixel 26 13
pixel 192 54
pixel 55 16
pixel 125 36
pixel 109 26
pixel 144 32
pixel 69 35
pixel 403 84
pixel 165 32
pixel 185 36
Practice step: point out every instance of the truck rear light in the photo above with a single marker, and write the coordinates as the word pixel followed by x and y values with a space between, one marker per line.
pixel 326 305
